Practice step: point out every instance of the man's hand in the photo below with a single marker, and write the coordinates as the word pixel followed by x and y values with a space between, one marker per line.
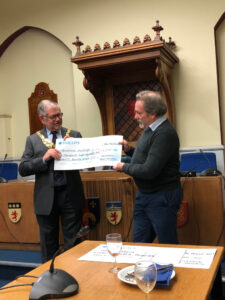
pixel 118 167
pixel 52 153
pixel 125 145
pixel 67 137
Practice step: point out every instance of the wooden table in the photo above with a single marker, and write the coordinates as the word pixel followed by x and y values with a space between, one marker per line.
pixel 96 283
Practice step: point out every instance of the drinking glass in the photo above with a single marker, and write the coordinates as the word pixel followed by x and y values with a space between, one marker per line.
pixel 145 273
pixel 114 245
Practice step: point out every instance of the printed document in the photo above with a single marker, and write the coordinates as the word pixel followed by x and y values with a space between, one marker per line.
pixel 179 257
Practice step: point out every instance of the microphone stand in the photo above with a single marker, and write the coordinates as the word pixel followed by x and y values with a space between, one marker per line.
pixel 81 233
pixel 56 283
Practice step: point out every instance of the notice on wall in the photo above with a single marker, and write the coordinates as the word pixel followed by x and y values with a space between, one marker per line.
pixel 82 153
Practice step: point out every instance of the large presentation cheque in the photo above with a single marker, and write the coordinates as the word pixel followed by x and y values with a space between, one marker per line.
pixel 81 153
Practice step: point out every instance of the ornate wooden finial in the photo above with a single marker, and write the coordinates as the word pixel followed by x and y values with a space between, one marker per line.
pixel 87 49
pixel 136 40
pixel 171 43
pixel 157 30
pixel 116 44
pixel 97 47
pixel 78 44
pixel 106 45
pixel 147 38
pixel 126 42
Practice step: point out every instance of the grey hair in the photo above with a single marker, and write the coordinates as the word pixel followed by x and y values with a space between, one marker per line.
pixel 153 102
pixel 41 109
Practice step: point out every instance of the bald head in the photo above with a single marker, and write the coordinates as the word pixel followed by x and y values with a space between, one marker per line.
pixel 44 105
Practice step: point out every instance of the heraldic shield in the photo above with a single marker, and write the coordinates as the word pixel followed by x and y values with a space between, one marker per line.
pixel 182 214
pixel 114 212
pixel 14 211
pixel 91 213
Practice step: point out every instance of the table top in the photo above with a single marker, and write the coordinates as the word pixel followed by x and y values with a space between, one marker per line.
pixel 97 283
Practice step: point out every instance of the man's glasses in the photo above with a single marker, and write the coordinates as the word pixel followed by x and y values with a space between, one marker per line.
pixel 54 117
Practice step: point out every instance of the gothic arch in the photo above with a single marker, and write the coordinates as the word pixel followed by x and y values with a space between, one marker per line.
pixel 17 33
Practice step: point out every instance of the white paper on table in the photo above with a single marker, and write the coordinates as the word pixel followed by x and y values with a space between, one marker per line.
pixel 179 257
pixel 82 153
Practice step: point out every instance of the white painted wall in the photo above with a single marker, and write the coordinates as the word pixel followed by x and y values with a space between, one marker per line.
pixel 190 23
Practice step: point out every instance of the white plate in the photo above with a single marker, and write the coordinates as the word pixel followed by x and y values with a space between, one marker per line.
pixel 122 275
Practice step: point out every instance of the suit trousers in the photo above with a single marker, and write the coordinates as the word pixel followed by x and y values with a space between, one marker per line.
pixel 49 224
pixel 155 214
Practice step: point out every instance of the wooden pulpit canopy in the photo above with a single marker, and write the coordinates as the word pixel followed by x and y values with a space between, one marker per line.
pixel 41 92
pixel 114 75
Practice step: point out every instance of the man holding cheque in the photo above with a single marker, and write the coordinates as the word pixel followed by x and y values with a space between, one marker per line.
pixel 155 169
pixel 56 194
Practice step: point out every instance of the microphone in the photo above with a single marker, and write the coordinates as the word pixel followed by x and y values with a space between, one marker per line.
pixel 189 173
pixel 2 179
pixel 210 171
pixel 56 283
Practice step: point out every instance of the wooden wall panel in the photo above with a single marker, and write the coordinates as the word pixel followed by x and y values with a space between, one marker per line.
pixel 204 197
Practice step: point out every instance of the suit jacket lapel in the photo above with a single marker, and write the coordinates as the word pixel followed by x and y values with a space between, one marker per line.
pixel 44 132
pixel 63 131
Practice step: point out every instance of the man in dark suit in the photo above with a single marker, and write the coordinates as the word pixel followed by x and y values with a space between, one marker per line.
pixel 57 194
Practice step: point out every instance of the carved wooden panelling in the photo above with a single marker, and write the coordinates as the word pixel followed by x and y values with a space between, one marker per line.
pixel 112 73
pixel 41 92
pixel 124 100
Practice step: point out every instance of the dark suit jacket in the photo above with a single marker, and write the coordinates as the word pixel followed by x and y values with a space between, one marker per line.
pixel 32 163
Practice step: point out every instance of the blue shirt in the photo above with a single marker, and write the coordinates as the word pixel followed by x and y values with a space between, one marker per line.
pixel 50 135
pixel 157 122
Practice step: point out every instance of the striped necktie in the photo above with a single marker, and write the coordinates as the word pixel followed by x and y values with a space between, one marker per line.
pixel 54 137
pixel 59 176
